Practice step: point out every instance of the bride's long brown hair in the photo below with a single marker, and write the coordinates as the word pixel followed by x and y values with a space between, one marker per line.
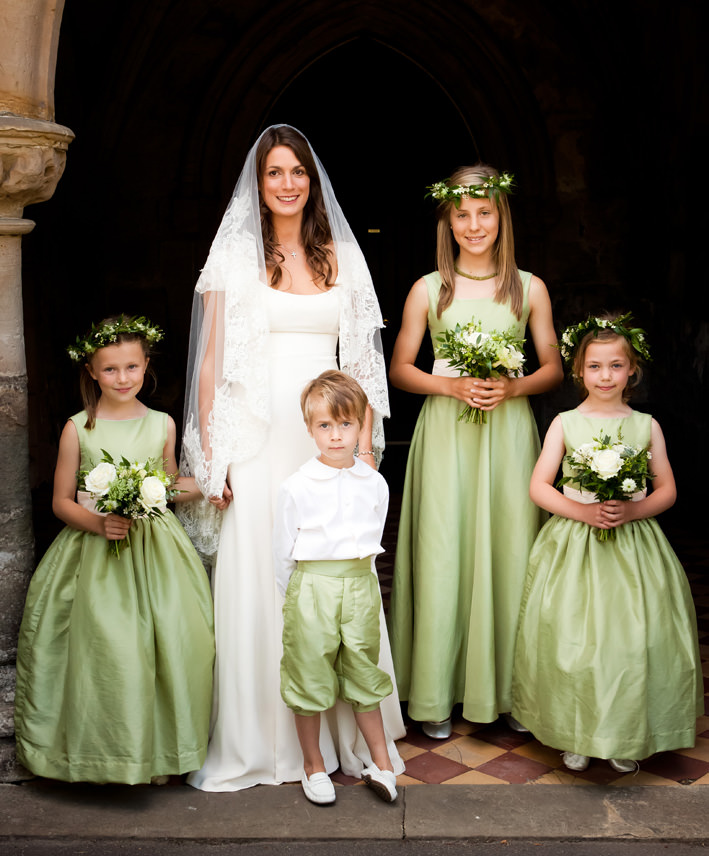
pixel 315 230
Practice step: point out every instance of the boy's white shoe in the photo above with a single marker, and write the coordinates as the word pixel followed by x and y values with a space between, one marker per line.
pixel 575 762
pixel 318 788
pixel 382 782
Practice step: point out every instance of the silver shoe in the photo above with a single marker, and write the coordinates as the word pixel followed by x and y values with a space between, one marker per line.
pixel 577 763
pixel 623 765
pixel 438 730
pixel 515 724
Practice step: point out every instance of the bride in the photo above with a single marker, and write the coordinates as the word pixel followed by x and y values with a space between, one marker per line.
pixel 284 289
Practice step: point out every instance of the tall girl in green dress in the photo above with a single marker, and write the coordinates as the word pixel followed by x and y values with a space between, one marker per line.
pixel 115 655
pixel 607 659
pixel 467 523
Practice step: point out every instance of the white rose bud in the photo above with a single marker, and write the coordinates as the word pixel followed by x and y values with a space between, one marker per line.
pixel 607 463
pixel 152 493
pixel 99 479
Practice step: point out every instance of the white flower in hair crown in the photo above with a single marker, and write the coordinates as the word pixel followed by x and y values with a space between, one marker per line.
pixel 444 191
pixel 621 326
pixel 101 335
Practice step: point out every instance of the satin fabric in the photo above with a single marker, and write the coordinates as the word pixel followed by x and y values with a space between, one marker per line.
pixel 331 637
pixel 114 664
pixel 467 525
pixel 607 660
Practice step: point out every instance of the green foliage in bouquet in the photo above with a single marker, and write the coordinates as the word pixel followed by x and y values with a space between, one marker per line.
pixel 609 470
pixel 129 489
pixel 483 355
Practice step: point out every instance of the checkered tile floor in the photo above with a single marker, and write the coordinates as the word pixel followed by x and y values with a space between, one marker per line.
pixel 492 754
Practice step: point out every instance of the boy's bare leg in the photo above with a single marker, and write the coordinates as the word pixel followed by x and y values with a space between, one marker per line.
pixel 372 728
pixel 308 728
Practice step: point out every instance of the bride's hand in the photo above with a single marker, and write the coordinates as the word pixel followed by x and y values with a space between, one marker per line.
pixel 221 502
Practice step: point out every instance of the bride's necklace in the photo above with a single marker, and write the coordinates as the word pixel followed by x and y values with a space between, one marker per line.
pixel 290 252
pixel 471 276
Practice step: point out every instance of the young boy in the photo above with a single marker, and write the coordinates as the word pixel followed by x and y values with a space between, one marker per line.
pixel 328 529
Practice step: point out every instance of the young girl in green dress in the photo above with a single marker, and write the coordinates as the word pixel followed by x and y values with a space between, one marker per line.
pixel 467 523
pixel 115 655
pixel 607 658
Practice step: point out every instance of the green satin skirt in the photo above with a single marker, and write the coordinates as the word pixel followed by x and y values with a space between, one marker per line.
pixel 115 658
pixel 467 526
pixel 607 659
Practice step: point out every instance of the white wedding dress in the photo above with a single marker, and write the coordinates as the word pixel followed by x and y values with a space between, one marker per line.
pixel 253 738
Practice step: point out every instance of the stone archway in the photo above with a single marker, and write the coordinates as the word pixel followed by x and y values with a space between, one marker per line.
pixel 188 97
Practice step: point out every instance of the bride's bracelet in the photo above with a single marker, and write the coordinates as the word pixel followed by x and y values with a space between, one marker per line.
pixel 368 452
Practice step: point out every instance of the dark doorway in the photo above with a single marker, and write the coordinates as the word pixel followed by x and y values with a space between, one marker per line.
pixel 398 131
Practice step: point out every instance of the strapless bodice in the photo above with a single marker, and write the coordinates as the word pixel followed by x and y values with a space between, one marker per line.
pixel 303 324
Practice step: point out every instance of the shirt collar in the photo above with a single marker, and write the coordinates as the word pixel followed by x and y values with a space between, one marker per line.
pixel 315 469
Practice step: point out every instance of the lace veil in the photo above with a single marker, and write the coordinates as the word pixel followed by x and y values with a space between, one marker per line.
pixel 227 398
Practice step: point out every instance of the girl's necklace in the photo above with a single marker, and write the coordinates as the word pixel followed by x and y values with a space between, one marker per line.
pixel 290 252
pixel 471 276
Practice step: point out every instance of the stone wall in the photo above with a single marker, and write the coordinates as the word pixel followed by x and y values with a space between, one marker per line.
pixel 32 156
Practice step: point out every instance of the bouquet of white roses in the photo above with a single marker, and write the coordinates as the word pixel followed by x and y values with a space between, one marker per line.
pixel 128 489
pixel 608 470
pixel 482 355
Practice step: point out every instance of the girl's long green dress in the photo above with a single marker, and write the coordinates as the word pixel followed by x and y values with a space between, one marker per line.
pixel 467 526
pixel 607 660
pixel 115 655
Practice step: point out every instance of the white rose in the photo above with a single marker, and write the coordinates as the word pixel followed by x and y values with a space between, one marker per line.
pixel 628 486
pixel 475 338
pixel 606 462
pixel 152 493
pixel 510 358
pixel 99 479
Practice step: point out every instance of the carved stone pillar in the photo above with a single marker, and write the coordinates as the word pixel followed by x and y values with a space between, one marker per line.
pixel 32 157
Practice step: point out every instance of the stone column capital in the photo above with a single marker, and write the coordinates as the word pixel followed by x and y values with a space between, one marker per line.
pixel 32 160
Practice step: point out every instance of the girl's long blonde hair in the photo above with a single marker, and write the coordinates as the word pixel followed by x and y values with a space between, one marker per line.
pixel 509 285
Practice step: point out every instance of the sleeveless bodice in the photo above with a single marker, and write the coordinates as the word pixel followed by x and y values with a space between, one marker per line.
pixel 134 439
pixel 580 429
pixel 493 316
pixel 303 324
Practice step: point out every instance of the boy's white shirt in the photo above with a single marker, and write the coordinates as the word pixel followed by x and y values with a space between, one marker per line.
pixel 326 513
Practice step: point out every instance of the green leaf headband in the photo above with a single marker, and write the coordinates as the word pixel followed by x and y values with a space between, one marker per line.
pixel 107 334
pixel 491 188
pixel 572 336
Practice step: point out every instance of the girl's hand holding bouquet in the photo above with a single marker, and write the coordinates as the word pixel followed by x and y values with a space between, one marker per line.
pixel 481 355
pixel 127 490
pixel 611 471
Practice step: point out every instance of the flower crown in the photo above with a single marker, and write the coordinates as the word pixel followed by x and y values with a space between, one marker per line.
pixel 572 336
pixel 491 188
pixel 101 335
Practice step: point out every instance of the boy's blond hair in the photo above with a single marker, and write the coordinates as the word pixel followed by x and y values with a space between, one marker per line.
pixel 343 396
